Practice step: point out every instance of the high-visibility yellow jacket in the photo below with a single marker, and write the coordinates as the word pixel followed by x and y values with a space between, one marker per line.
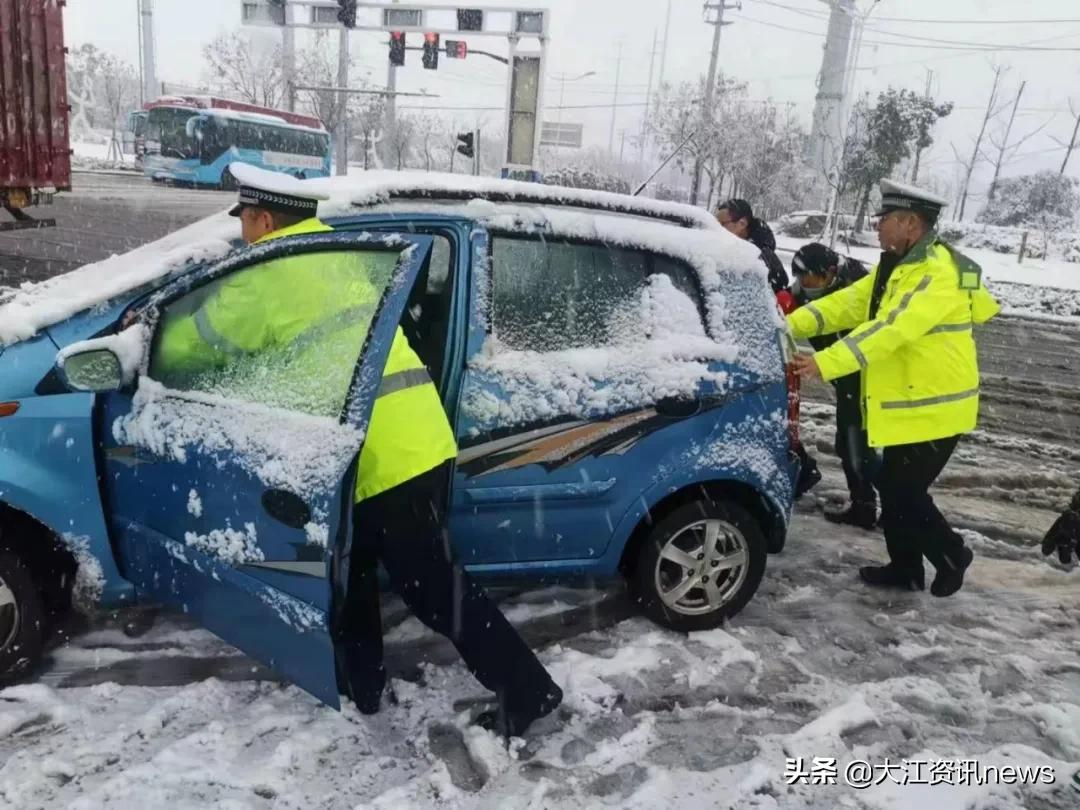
pixel 290 333
pixel 920 378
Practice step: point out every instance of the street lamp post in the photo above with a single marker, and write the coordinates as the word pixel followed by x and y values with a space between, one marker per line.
pixel 563 79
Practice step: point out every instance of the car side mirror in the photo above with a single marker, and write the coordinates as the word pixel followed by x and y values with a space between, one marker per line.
pixel 93 370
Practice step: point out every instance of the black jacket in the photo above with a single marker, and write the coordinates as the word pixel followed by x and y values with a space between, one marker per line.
pixel 763 239
pixel 850 271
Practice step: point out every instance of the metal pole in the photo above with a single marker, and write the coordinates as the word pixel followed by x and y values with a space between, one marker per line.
pixel 663 53
pixel 150 88
pixel 142 80
pixel 341 136
pixel 648 104
pixel 615 102
pixel 710 89
pixel 288 61
pixel 390 121
pixel 476 153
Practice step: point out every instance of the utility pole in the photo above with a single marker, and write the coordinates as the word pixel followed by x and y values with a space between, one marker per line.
pixel 615 101
pixel 648 105
pixel 833 83
pixel 710 91
pixel 341 136
pixel 1072 144
pixel 919 151
pixel 663 53
pixel 150 88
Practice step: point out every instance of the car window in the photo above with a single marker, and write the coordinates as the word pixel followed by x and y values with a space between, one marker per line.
pixel 285 333
pixel 550 296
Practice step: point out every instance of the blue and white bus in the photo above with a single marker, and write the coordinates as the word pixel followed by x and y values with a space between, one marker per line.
pixel 192 140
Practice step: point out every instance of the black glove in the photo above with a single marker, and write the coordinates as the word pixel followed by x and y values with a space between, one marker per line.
pixel 1064 536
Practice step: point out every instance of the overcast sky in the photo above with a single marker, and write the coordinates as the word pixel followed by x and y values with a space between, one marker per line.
pixel 779 64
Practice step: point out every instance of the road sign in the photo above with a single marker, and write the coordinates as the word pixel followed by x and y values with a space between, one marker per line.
pixel 565 135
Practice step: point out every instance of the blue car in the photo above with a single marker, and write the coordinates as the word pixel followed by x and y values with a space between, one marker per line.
pixel 615 369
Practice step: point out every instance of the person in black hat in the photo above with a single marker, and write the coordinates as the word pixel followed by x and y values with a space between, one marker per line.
pixel 911 337
pixel 271 203
pixel 737 218
pixel 403 473
pixel 819 271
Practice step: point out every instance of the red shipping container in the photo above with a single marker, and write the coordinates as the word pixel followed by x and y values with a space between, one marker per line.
pixel 34 139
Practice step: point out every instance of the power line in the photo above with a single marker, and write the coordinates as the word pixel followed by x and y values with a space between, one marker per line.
pixel 972 46
pixel 905 62
pixel 824 15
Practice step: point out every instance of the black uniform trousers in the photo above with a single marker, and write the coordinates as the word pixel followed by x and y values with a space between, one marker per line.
pixel 404 528
pixel 914 528
pixel 858 459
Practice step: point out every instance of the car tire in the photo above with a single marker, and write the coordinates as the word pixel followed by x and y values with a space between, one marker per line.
pixel 676 596
pixel 228 182
pixel 22 619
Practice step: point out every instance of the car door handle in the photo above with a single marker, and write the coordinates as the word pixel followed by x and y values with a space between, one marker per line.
pixel 286 507
pixel 546 492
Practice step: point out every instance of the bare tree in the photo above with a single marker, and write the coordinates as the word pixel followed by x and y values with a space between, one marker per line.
pixel 242 70
pixel 119 94
pixel 992 111
pixel 1007 149
pixel 400 140
pixel 83 74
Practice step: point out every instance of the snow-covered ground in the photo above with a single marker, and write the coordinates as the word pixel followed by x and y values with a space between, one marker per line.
pixel 816 666
pixel 1038 287
pixel 95 155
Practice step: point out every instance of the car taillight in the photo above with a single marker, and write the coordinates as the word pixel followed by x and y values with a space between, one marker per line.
pixel 8 408
pixel 793 399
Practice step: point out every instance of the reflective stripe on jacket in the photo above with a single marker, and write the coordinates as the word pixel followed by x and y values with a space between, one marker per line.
pixel 918 357
pixel 306 311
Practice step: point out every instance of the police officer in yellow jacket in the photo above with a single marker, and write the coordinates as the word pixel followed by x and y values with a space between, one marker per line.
pixel 405 466
pixel 911 337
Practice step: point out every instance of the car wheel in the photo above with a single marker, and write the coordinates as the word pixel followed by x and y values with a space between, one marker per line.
pixel 700 565
pixel 228 182
pixel 22 619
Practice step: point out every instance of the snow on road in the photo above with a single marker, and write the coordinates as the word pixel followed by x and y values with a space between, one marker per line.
pixel 816 666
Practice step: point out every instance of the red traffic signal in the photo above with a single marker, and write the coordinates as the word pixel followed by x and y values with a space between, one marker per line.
pixel 456 49
pixel 431 51
pixel 397 48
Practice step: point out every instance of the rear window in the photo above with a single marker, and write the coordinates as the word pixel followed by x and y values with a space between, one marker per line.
pixel 551 296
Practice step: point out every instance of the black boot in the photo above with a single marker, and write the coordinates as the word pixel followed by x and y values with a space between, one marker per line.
pixel 950 577
pixel 809 476
pixel 509 723
pixel 892 576
pixel 857 513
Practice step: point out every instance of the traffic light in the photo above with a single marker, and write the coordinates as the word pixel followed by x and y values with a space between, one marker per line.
pixel 456 49
pixel 347 13
pixel 431 51
pixel 466 144
pixel 397 48
pixel 470 19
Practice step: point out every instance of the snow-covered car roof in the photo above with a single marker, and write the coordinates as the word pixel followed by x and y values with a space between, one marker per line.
pixel 500 204
pixel 379 187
